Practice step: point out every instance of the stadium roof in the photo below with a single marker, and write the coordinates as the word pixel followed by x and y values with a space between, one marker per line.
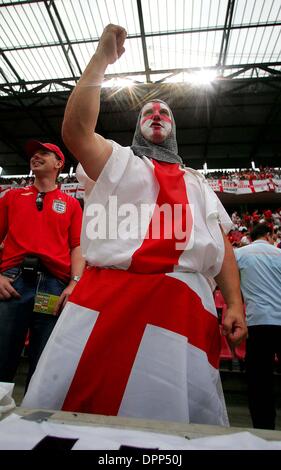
pixel 216 62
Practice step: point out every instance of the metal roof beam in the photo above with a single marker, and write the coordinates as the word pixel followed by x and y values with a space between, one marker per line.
pixel 212 109
pixel 46 83
pixel 168 76
pixel 239 72
pixel 19 2
pixel 170 72
pixel 225 36
pixel 51 4
pixel 20 80
pixel 137 36
pixel 143 41
pixel 270 70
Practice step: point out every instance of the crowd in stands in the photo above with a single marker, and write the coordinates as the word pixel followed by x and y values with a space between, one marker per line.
pixel 21 181
pixel 261 174
pixel 244 223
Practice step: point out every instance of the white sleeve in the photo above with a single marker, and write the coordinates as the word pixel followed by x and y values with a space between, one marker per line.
pixel 124 174
pixel 224 218
pixel 125 179
pixel 215 209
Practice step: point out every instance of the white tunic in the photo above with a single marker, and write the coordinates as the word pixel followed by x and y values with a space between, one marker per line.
pixel 128 178
pixel 139 336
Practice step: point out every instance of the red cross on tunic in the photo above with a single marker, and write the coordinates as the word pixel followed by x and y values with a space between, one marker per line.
pixel 127 302
pixel 162 255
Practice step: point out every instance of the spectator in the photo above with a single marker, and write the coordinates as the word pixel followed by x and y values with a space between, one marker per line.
pixel 276 218
pixel 151 346
pixel 41 258
pixel 245 240
pixel 276 235
pixel 256 217
pixel 260 270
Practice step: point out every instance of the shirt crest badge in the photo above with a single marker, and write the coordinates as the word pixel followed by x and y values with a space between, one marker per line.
pixel 59 206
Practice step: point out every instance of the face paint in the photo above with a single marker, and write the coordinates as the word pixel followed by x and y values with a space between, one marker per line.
pixel 156 122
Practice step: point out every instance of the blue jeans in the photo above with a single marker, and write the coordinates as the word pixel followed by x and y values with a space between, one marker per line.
pixel 17 317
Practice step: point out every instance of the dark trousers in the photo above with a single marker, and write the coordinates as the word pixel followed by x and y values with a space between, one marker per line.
pixel 17 317
pixel 262 344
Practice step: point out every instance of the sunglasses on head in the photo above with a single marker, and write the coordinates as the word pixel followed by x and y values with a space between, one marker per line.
pixel 40 200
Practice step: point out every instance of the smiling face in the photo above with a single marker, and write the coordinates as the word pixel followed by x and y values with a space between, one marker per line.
pixel 156 122
pixel 44 161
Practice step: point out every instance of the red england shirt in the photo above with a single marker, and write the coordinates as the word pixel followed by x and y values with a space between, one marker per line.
pixel 50 233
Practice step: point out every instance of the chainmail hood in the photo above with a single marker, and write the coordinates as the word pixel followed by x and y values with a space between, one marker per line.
pixel 167 151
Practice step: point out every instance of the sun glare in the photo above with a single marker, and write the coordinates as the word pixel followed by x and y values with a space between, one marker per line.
pixel 202 77
pixel 118 83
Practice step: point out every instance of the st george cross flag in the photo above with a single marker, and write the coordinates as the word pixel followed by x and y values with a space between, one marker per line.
pixel 139 336
pixel 137 352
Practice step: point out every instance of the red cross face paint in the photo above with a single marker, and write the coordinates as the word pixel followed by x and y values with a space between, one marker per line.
pixel 156 122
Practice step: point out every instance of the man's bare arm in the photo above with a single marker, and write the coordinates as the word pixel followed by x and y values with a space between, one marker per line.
pixel 234 325
pixel 77 268
pixel 82 109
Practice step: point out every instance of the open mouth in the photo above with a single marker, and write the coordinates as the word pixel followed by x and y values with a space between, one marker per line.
pixel 156 125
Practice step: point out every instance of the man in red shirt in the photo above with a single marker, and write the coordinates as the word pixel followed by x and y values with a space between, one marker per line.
pixel 41 259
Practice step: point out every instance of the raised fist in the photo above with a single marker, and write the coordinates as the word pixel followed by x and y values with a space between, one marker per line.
pixel 111 43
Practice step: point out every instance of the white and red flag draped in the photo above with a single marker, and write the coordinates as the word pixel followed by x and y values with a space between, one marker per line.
pixel 142 340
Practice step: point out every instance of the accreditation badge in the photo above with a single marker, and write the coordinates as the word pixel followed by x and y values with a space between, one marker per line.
pixel 45 303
